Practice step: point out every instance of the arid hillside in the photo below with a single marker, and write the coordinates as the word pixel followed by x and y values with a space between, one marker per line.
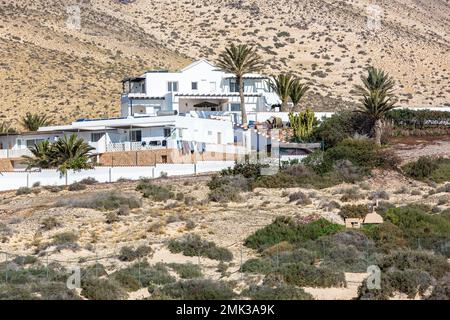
pixel 46 66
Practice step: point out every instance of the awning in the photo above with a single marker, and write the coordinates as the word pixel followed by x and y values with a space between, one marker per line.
pixel 206 104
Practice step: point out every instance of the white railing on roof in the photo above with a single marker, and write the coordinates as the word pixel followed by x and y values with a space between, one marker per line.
pixel 131 146
pixel 14 153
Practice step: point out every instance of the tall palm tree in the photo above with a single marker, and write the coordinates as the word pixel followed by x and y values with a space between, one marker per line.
pixel 72 153
pixel 377 98
pixel 32 122
pixel 282 86
pixel 298 90
pixel 240 60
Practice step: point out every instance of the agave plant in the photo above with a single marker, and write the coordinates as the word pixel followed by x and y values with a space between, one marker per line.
pixel 377 98
pixel 32 122
pixel 68 153
pixel 240 60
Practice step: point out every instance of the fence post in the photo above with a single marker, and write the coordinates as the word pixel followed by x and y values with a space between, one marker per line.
pixel 6 266
pixel 110 175
pixel 195 168
pixel 153 172
pixel 28 179
pixel 67 177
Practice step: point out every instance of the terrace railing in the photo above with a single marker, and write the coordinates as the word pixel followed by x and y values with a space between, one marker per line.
pixel 14 153
pixel 131 146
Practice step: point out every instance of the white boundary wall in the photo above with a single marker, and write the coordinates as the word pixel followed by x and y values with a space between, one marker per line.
pixel 16 180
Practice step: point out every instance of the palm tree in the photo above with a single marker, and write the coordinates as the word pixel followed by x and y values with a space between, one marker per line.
pixel 298 90
pixel 6 128
pixel 72 153
pixel 65 154
pixel 32 122
pixel 282 86
pixel 240 60
pixel 377 97
pixel 42 156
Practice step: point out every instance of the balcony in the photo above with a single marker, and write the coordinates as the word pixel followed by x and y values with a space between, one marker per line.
pixel 14 153
pixel 132 146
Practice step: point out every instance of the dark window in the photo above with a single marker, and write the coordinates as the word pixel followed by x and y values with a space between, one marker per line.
pixel 167 132
pixel 235 107
pixel 164 159
pixel 194 85
pixel 95 137
pixel 172 86
pixel 136 136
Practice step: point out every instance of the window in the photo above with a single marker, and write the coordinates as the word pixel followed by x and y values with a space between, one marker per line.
pixel 31 143
pixel 235 107
pixel 172 86
pixel 95 137
pixel 234 86
pixel 164 159
pixel 136 136
pixel 167 132
pixel 194 85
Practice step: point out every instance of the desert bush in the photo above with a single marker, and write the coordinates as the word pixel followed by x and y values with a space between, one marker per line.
pixel 186 270
pixel 37 184
pixel 129 254
pixel 54 189
pixel 155 192
pixel 304 275
pixel 351 194
pixel 123 210
pixel 285 229
pixel 436 265
pixel 111 217
pixel 225 193
pixel 105 201
pixel 300 198
pixel 247 170
pixel 428 168
pixel 88 181
pixel 380 194
pixel 280 292
pixel 102 289
pixel 199 289
pixel 193 245
pixel 257 265
pixel 354 211
pixel 25 260
pixel 50 223
pixel 65 238
pixel 142 275
pixel 441 290
pixel 347 171
pixel 76 186
pixel 444 188
pixel 23 190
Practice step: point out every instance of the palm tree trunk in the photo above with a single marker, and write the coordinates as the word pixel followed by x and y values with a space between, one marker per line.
pixel 378 128
pixel 240 82
pixel 284 106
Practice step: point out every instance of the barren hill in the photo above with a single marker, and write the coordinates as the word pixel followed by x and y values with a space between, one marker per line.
pixel 47 67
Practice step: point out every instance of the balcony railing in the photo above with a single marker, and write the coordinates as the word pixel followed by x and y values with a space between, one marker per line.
pixel 131 146
pixel 14 153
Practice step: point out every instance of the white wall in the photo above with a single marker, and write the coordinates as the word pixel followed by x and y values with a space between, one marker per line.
pixel 15 180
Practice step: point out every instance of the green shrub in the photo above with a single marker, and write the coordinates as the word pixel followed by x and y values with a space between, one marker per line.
pixel 225 193
pixel 421 169
pixel 88 181
pixel 129 254
pixel 192 245
pixel 76 186
pixel 50 223
pixel 187 270
pixel 441 290
pixel 23 191
pixel 199 289
pixel 102 289
pixel 285 229
pixel 105 201
pixel 280 292
pixel 155 192
pixel 65 238
pixel 354 211
pixel 304 275
pixel 247 170
pixel 237 181
pixel 141 275
pixel 300 198
pixel 257 265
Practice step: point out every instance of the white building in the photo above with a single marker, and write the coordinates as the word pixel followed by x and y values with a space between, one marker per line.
pixel 197 87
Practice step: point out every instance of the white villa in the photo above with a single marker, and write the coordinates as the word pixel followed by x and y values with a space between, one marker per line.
pixel 166 117
pixel 198 87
